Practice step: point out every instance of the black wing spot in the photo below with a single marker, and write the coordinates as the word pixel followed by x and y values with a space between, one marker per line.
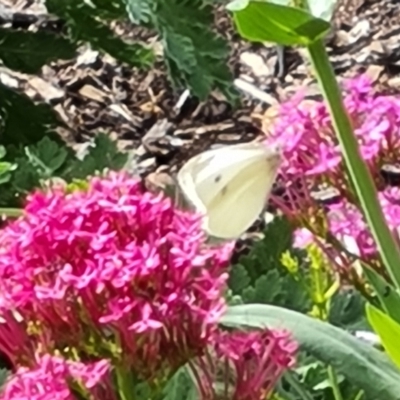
pixel 217 178
pixel 224 190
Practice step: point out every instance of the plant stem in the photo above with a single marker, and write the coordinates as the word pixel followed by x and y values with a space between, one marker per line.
pixel 359 395
pixel 296 385
pixel 359 174
pixel 124 384
pixel 334 383
pixel 11 212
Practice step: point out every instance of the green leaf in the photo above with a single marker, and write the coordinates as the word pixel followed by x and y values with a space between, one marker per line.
pixel 23 122
pixel 3 376
pixel 110 9
pixel 180 386
pixel 29 51
pixel 5 167
pixel 24 179
pixel 347 310
pixel 363 365
pixel 262 21
pixel 46 157
pixel 389 297
pixel 84 26
pixel 238 278
pixel 140 10
pixel 196 58
pixel 103 154
pixel 259 276
pixel 388 330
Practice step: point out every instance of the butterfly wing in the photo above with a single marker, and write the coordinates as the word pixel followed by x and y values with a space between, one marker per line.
pixel 200 177
pixel 244 197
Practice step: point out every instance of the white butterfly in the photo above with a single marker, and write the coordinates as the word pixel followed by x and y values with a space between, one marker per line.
pixel 230 186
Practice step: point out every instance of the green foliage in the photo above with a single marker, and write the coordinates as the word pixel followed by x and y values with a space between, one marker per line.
pixel 388 330
pixel 3 376
pixel 5 167
pixel 363 365
pixel 387 295
pixel 23 122
pixel 196 58
pixel 259 276
pixel 262 21
pixel 103 154
pixel 33 151
pixel 48 159
pixel 181 386
pixel 29 51
pixel 347 310
pixel 275 273
pixel 83 25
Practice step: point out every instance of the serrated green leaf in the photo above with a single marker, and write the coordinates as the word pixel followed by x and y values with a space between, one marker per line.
pixel 363 365
pixel 195 57
pixel 347 310
pixel 263 21
pixel 103 154
pixel 24 179
pixel 259 276
pixel 388 330
pixel 28 51
pixel 140 10
pixel 268 288
pixel 238 278
pixel 181 50
pixel 46 157
pixel 180 387
pixel 24 122
pixel 83 26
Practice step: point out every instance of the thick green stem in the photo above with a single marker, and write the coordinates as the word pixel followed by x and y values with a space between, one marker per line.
pixel 125 385
pixel 359 174
pixel 334 383
pixel 11 212
pixel 297 386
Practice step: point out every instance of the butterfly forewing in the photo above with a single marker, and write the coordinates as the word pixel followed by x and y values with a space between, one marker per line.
pixel 230 185
pixel 239 204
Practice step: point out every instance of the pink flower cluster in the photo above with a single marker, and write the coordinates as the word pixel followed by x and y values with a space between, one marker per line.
pixel 304 130
pixel 245 365
pixel 113 263
pixel 313 159
pixel 51 380
pixel 119 277
pixel 345 220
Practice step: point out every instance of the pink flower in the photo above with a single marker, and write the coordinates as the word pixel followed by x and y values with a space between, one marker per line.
pixel 114 264
pixel 347 223
pixel 51 377
pixel 305 131
pixel 245 365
